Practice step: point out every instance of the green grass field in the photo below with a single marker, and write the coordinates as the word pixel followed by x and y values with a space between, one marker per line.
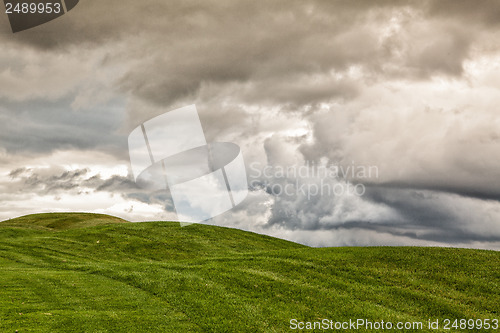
pixel 95 273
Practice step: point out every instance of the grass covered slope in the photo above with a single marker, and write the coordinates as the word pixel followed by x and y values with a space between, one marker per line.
pixel 87 273
pixel 61 221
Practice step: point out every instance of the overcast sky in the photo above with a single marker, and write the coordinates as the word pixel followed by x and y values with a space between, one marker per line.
pixel 408 88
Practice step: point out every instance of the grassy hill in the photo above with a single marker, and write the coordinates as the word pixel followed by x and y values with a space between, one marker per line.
pixel 96 273
pixel 61 221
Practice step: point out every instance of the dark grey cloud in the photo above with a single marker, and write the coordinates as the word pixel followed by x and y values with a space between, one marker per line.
pixel 180 47
pixel 292 54
pixel 482 12
pixel 57 181
pixel 437 216
pixel 40 127
pixel 54 181
pixel 420 215
pixel 492 193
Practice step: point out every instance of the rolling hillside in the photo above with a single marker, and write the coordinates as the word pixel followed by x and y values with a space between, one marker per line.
pixel 96 273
